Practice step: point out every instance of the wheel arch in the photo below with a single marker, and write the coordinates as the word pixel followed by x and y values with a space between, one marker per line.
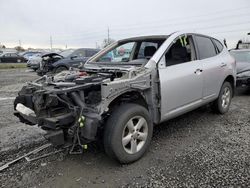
pixel 59 66
pixel 133 96
pixel 231 80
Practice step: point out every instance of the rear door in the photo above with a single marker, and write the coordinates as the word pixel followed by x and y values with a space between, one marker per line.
pixel 212 66
pixel 181 78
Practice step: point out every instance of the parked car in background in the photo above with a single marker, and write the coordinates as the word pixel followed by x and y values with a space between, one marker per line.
pixel 28 55
pixel 34 61
pixel 242 57
pixel 70 58
pixel 12 58
pixel 47 60
pixel 120 97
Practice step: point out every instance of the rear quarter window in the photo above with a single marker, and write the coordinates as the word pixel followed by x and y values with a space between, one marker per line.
pixel 218 45
pixel 206 48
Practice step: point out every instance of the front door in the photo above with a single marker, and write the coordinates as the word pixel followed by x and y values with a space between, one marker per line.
pixel 181 79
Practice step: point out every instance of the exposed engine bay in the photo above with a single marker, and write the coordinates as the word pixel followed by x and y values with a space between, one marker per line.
pixel 72 105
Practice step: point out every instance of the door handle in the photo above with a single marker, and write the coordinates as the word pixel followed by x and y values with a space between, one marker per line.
pixel 223 64
pixel 198 71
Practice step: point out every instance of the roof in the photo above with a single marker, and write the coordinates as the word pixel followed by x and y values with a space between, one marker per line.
pixel 150 37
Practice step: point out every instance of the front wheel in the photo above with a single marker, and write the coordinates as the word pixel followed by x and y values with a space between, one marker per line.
pixel 222 103
pixel 128 133
pixel 60 69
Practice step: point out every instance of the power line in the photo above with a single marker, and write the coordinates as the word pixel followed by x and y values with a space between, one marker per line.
pixel 164 20
pixel 161 27
pixel 149 26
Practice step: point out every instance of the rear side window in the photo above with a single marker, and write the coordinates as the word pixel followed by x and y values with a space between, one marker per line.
pixel 205 47
pixel 218 45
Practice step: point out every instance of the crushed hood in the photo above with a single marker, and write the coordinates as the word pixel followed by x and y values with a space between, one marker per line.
pixel 51 55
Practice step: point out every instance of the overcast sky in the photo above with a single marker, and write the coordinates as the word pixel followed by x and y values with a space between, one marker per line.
pixel 83 23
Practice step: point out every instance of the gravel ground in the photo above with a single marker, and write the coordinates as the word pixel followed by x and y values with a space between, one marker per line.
pixel 198 149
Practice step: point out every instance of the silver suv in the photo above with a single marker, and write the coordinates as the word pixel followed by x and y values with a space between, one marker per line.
pixel 127 88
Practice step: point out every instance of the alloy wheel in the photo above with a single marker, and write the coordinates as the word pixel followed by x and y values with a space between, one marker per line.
pixel 135 134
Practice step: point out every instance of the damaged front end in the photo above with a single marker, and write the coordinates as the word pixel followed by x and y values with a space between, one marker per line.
pixel 73 112
pixel 62 108
pixel 243 78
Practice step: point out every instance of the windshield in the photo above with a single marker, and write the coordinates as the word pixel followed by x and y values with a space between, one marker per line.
pixel 67 53
pixel 121 53
pixel 241 56
pixel 130 52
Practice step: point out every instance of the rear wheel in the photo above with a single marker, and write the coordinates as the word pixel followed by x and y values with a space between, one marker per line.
pixel 222 103
pixel 128 133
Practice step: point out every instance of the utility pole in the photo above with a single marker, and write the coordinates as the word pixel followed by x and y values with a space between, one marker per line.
pixel 108 35
pixel 20 43
pixel 50 43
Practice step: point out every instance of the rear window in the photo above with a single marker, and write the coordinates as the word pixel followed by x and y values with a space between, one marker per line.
pixel 205 47
pixel 218 45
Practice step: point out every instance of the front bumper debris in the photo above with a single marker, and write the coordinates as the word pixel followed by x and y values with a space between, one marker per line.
pixel 243 82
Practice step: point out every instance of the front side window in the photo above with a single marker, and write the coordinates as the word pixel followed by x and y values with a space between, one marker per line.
pixel 7 55
pixel 66 53
pixel 205 47
pixel 181 51
pixel 90 53
pixel 79 53
pixel 122 53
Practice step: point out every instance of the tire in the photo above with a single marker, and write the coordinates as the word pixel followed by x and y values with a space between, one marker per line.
pixel 222 103
pixel 120 127
pixel 60 69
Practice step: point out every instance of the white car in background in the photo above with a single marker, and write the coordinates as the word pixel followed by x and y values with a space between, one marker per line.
pixel 34 61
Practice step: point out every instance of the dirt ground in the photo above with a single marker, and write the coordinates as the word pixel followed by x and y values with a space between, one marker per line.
pixel 198 149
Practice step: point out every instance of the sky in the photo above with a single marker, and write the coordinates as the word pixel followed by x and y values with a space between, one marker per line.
pixel 85 23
